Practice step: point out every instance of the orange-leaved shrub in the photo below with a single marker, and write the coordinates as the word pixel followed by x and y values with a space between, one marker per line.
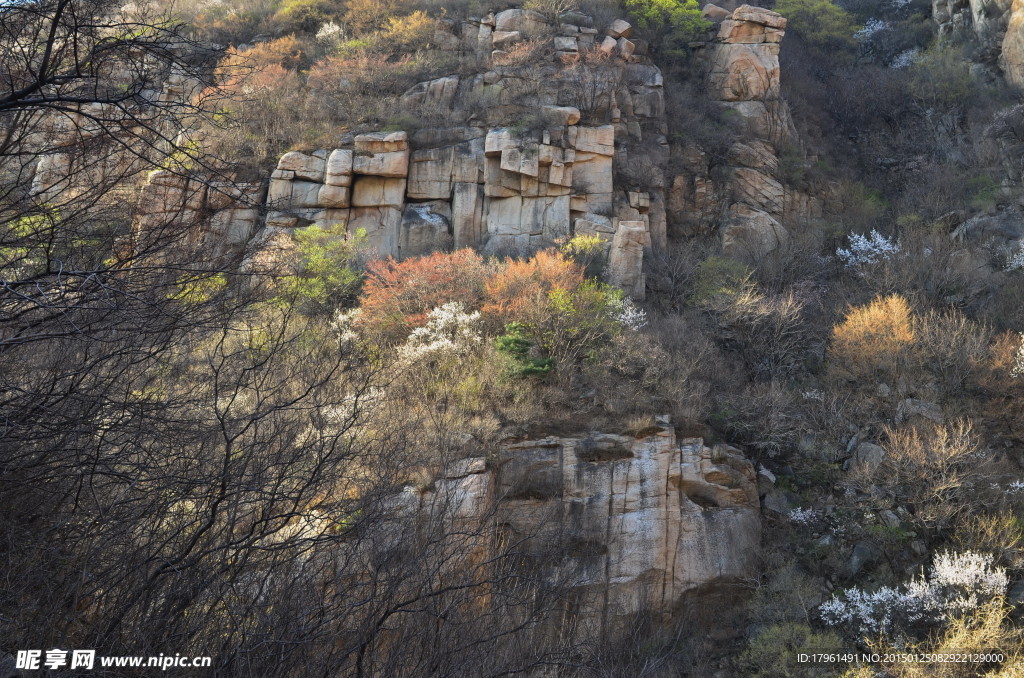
pixel 876 340
pixel 518 285
pixel 548 295
pixel 398 295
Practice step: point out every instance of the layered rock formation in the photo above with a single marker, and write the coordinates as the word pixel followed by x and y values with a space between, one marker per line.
pixel 528 155
pixel 998 26
pixel 746 196
pixel 506 189
pixel 632 523
pixel 226 214
pixel 569 139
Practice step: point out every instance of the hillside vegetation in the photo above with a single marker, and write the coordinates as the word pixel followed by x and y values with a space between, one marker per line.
pixel 267 444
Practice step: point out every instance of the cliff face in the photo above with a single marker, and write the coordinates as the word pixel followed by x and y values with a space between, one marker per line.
pixel 634 523
pixel 746 195
pixel 562 132
pixel 998 26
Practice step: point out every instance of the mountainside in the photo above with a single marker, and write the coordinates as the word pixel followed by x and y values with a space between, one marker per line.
pixel 416 338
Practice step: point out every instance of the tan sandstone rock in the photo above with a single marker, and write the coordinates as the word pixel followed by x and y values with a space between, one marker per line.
pixel 1012 58
pixel 625 259
pixel 382 154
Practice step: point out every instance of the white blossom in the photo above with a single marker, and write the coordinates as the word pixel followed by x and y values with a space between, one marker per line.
pixel 1016 261
pixel 628 313
pixel 871 26
pixel 449 329
pixel 905 59
pixel 867 250
pixel 330 34
pixel 343 326
pixel 1018 361
pixel 804 516
pixel 956 583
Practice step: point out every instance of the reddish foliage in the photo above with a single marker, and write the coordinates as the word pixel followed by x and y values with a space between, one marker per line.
pixel 398 294
pixel 520 284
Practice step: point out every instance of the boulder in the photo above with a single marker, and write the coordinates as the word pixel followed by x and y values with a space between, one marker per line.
pixel 864 553
pixel 309 167
pixel 1003 229
pixel 566 44
pixel 430 173
pixel 333 196
pixel 505 39
pixel 529 23
pixel 305 194
pixel 381 142
pixel 592 174
pixel 750 233
pixel 759 15
pixel 594 224
pixel 714 13
pixel 381 164
pixel 382 154
pixel 378 191
pixel 560 115
pixel 280 191
pixel 867 457
pixel 912 409
pixel 600 140
pixel 620 29
pixel 758 189
pixel 497 140
pixel 339 168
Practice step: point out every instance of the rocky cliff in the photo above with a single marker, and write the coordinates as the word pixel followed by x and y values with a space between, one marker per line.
pixel 998 26
pixel 562 132
pixel 745 195
pixel 629 523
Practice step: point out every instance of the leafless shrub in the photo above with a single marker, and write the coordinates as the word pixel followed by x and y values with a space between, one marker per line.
pixel 931 471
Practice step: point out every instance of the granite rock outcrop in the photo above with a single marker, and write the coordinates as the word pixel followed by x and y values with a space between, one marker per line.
pixel 633 524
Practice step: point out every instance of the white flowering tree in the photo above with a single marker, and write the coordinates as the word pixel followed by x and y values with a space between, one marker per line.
pixel 956 584
pixel 866 250
pixel 449 330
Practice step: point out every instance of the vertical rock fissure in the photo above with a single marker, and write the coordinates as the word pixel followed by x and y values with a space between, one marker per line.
pixel 608 542
pixel 670 548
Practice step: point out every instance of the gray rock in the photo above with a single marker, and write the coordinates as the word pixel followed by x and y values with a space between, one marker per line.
pixel 777 501
pixel 867 457
pixel 863 554
pixel 888 518
pixel 1015 596
pixel 620 29
pixel 1002 228
pixel 912 408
